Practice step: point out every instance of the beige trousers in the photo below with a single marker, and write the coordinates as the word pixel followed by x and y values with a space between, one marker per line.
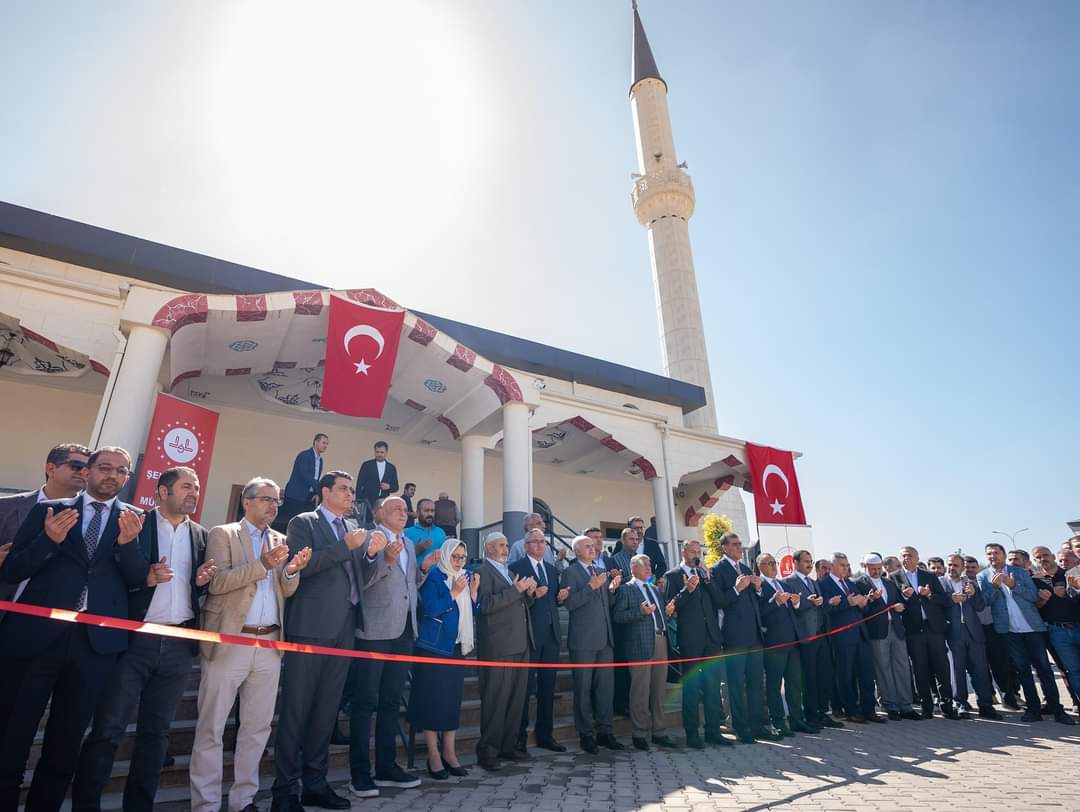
pixel 648 684
pixel 253 673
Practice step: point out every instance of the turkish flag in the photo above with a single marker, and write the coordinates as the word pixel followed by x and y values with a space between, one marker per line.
pixel 776 489
pixel 361 348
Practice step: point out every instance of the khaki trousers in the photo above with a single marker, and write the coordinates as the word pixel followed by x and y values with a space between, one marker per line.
pixel 648 683
pixel 253 673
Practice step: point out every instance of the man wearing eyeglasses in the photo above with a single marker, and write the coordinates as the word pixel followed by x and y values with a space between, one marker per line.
pixel 76 554
pixel 65 477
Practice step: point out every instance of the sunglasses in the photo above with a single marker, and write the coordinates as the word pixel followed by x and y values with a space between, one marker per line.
pixel 75 465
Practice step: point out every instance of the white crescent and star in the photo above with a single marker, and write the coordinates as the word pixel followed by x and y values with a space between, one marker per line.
pixel 364 330
pixel 775 470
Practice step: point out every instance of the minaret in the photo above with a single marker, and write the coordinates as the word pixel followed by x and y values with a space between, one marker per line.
pixel 663 199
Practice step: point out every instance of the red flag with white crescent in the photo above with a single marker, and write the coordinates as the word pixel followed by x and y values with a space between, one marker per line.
pixel 776 489
pixel 361 349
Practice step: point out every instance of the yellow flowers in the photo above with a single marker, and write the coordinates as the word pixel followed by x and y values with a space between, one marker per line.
pixel 713 528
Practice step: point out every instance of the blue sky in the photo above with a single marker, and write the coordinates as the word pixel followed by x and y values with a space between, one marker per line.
pixel 886 236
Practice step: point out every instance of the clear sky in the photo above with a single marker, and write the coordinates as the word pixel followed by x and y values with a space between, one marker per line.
pixel 887 236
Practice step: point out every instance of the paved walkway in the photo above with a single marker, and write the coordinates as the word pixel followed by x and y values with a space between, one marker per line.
pixel 939 764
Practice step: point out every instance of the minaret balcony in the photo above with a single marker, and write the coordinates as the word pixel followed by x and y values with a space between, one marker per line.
pixel 667 191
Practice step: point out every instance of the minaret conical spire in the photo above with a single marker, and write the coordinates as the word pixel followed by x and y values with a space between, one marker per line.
pixel 643 65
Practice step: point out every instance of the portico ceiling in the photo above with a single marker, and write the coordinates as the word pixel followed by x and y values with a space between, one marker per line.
pixel 576 446
pixel 276 345
pixel 26 352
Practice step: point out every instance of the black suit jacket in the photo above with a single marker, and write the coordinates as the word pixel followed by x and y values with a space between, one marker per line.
pixel 781 625
pixel 13 512
pixel 543 613
pixel 843 613
pixel 58 573
pixel 656 555
pixel 368 482
pixel 877 628
pixel 140 597
pixel 696 613
pixel 302 485
pixel 320 607
pixel 936 605
pixel 742 614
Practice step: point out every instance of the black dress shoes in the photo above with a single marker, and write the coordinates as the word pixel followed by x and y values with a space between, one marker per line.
pixel 894 715
pixel 876 717
pixel 610 742
pixel 949 712
pixel 1011 701
pixel 663 741
pixel 515 755
pixel 911 714
pixel 719 741
pixel 324 798
pixel 988 712
pixel 804 727
pixel 588 744
pixel 695 743
pixel 640 743
pixel 1062 718
pixel 828 721
pixel 289 803
pixel 486 759
pixel 769 733
pixel 857 719
pixel 552 745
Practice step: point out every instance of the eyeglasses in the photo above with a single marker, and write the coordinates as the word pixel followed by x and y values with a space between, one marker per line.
pixel 267 500
pixel 458 557
pixel 75 465
pixel 107 470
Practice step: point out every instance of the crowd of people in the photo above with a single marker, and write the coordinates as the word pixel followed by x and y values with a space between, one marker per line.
pixel 818 648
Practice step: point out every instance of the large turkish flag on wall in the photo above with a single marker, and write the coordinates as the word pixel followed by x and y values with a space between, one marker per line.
pixel 776 489
pixel 181 433
pixel 361 348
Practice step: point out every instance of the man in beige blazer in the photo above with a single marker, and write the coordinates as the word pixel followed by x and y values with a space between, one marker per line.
pixel 247 597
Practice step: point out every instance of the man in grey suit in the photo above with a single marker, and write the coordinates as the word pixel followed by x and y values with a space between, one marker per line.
pixel 966 639
pixel 65 477
pixel 590 640
pixel 391 577
pixel 639 614
pixel 324 611
pixel 504 633
pixel 814 654
pixel 887 636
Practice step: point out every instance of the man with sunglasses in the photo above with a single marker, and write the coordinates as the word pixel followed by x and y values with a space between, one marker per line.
pixel 77 554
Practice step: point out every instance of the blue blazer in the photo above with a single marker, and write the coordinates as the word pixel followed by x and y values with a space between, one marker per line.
pixel 302 483
pixel 440 616
pixel 1024 594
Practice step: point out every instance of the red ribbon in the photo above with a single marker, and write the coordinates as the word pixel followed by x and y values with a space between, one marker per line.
pixel 203 636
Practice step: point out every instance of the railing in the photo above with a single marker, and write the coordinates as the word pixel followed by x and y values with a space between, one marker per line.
pixel 553 539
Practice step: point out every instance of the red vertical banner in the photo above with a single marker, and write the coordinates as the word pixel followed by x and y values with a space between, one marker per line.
pixel 181 433
pixel 776 489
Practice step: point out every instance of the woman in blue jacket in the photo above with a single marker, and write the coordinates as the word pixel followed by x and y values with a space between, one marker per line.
pixel 446 630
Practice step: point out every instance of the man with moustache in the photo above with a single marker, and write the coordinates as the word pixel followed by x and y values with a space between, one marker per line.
pixel 152 674
pixel 696 603
pixel 967 643
pixel 77 554
pixel 815 657
pixel 997 648
pixel 425 534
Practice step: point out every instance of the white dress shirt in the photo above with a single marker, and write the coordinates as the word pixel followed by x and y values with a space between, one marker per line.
pixel 380 466
pixel 538 568
pixel 171 603
pixel 1017 622
pixel 648 592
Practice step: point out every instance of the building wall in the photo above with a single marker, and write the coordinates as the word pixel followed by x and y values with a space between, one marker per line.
pixel 37 417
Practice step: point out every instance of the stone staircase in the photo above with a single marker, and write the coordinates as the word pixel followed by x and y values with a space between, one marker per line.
pixel 174 778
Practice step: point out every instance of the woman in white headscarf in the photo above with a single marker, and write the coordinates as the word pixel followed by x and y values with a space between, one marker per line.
pixel 447 601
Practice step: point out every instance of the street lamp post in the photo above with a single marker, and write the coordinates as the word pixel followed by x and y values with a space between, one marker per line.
pixel 1010 536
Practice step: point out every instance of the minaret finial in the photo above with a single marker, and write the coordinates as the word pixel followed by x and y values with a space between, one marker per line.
pixel 643 66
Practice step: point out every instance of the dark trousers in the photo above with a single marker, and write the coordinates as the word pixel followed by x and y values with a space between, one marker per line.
pixel 1028 651
pixel 969 657
pixel 621 683
pixel 502 698
pixel 593 690
pixel 542 683
pixel 817 674
pixel 311 686
pixel 745 676
pixel 783 666
pixel 997 657
pixel 854 673
pixel 73 675
pixel 377 690
pixel 928 662
pixel 150 676
pixel 701 686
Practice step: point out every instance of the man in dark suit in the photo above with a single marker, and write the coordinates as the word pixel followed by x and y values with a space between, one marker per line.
pixel 738 590
pixel 377 478
pixel 639 618
pixel 648 546
pixel 152 674
pixel 546 640
pixel 854 661
pixel 302 488
pixel 77 554
pixel 966 639
pixel 503 633
pixel 815 656
pixel 886 633
pixel 698 628
pixel 590 640
pixel 601 558
pixel 782 664
pixel 925 604
pixel 325 611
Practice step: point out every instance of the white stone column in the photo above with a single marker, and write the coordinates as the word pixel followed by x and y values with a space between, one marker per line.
pixel 516 474
pixel 472 492
pixel 662 507
pixel 126 415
